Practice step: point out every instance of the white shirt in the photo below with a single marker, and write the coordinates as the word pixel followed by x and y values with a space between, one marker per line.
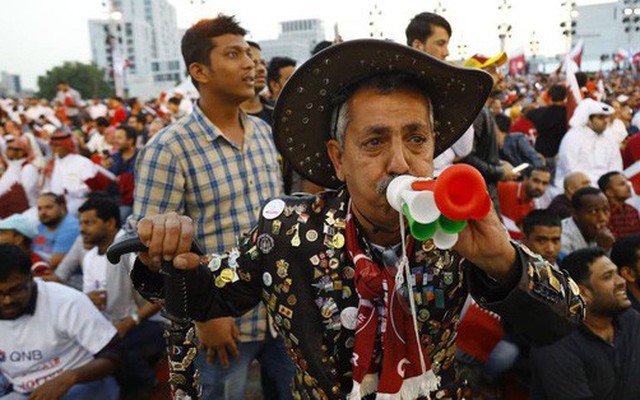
pixel 583 150
pixel 616 131
pixel 19 172
pixel 461 148
pixel 97 142
pixel 99 274
pixel 97 110
pixel 64 333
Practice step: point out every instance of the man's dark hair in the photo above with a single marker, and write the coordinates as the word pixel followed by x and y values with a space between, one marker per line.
pixel 13 260
pixel 174 100
pixel 197 41
pixel 576 199
pixel 625 251
pixel 57 198
pixel 577 263
pixel 140 118
pixel 320 46
pixel 62 82
pixel 421 26
pixel 129 131
pixel 581 77
pixel 118 99
pixel 503 122
pixel 275 65
pixel 253 44
pixel 105 208
pixel 605 180
pixel 539 218
pixel 102 121
pixel 557 93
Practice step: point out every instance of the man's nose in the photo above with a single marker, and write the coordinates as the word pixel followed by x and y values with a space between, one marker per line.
pixel 398 163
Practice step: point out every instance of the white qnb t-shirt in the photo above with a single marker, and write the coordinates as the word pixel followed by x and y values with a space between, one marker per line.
pixel 64 333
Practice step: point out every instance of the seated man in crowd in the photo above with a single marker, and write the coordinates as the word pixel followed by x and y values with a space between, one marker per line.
pixel 54 343
pixel 626 255
pixel 111 291
pixel 514 147
pixel 543 234
pixel 624 219
pixel 588 225
pixel 517 199
pixel 601 359
pixel 122 164
pixel 561 204
pixel 57 230
pixel 18 230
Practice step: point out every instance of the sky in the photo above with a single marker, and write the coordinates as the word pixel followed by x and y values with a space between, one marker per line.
pixel 40 34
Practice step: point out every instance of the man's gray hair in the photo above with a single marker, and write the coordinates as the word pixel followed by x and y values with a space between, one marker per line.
pixel 384 84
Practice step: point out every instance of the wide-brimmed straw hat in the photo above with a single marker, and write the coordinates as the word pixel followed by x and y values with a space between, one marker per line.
pixel 303 112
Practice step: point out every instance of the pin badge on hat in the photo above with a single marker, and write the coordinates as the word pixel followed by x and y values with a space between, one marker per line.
pixel 266 279
pixel 273 209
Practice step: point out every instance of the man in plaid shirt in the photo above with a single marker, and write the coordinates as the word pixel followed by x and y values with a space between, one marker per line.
pixel 624 219
pixel 218 165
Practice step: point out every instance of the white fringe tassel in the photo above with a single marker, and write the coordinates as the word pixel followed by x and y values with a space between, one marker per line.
pixel 412 388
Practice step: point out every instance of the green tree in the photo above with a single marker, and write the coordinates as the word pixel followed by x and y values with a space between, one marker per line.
pixel 88 79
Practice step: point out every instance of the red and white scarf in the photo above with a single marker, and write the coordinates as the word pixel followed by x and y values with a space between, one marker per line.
pixel 391 367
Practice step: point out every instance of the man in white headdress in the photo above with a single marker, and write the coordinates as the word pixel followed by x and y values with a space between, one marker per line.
pixel 585 147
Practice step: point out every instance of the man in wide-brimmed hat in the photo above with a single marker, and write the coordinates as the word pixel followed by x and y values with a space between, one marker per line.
pixel 351 118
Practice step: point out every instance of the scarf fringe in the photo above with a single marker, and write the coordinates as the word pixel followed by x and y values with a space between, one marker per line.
pixel 412 388
pixel 369 385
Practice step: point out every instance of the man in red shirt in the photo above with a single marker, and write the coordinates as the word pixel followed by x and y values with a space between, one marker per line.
pixel 624 219
pixel 517 198
pixel 117 112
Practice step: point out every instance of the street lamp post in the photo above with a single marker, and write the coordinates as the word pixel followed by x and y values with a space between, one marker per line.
pixel 569 23
pixel 534 48
pixel 504 29
pixel 113 31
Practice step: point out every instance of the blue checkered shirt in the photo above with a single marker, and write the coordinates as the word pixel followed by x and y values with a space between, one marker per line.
pixel 190 167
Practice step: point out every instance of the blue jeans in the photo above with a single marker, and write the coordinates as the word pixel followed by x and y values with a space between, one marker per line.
pixel 220 383
pixel 104 389
pixel 142 344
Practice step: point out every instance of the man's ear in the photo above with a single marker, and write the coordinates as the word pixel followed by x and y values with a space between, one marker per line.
pixel 586 293
pixel 198 72
pixel 417 44
pixel 335 154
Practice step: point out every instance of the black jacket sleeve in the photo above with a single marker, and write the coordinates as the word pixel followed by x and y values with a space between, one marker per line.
pixel 491 172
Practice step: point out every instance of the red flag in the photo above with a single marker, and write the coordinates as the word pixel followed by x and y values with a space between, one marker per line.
pixel 576 53
pixel 517 64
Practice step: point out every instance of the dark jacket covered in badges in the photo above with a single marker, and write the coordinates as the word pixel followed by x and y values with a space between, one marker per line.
pixel 296 262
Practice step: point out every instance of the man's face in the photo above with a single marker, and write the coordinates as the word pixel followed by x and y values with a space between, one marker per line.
pixel 619 188
pixel 276 86
pixel 93 229
pixel 606 294
pixel 496 107
pixel 122 142
pixel 598 123
pixel 499 84
pixel 15 154
pixel 15 293
pixel 133 122
pixel 49 213
pixel 626 113
pixel 58 149
pixel 593 215
pixel 387 135
pixel 62 87
pixel 261 69
pixel 436 45
pixel 537 184
pixel 10 236
pixel 546 241
pixel 231 71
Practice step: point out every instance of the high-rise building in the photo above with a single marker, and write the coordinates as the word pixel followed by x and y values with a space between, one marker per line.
pixel 606 28
pixel 141 38
pixel 296 40
pixel 9 84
